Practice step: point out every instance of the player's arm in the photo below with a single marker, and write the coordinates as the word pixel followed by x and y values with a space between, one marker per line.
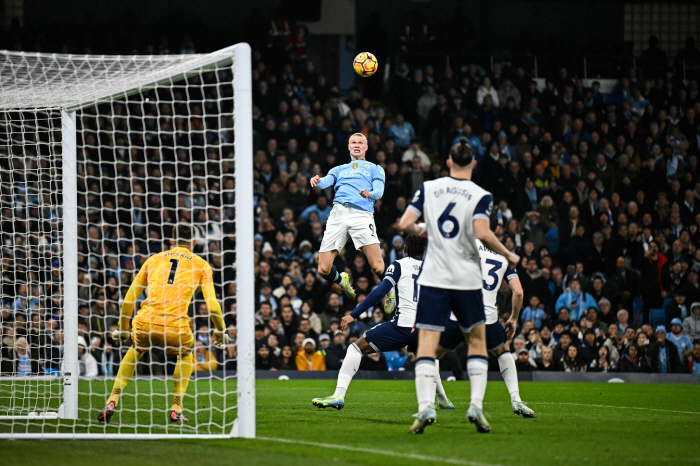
pixel 325 182
pixel 132 296
pixel 221 338
pixel 378 181
pixel 483 232
pixel 392 275
pixel 412 214
pixel 516 286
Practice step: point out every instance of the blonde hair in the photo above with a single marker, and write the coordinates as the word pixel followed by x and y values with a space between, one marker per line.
pixel 361 135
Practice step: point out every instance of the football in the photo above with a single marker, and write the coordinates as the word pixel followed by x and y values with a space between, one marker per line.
pixel 365 64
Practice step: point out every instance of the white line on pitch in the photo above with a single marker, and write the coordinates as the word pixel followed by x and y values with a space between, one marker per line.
pixel 412 456
pixel 619 407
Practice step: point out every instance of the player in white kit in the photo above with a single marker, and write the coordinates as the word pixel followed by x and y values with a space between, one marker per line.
pixel 494 269
pixel 456 213
pixel 396 334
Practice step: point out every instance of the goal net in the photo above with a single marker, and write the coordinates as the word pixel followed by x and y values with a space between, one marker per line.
pixel 100 156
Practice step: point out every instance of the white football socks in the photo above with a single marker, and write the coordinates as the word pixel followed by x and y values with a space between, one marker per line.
pixel 351 363
pixel 425 383
pixel 442 398
pixel 477 368
pixel 510 374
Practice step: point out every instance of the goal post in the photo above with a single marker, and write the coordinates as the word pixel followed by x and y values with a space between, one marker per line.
pixel 99 157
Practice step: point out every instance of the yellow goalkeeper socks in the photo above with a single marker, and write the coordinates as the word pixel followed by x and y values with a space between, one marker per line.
pixel 125 374
pixel 181 377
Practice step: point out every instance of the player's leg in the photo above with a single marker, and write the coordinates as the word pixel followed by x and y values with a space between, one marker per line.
pixel 124 376
pixel 351 363
pixel 183 370
pixel 334 239
pixel 468 307
pixel 432 316
pixel 376 262
pixel 477 368
pixel 449 340
pixel 506 363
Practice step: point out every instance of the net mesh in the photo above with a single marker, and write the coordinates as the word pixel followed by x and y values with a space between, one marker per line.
pixel 154 150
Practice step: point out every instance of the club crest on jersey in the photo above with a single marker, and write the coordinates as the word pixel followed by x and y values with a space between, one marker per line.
pixel 366 165
pixel 355 165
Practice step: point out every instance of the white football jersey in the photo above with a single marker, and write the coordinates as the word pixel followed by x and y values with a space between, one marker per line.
pixel 493 268
pixel 449 206
pixel 403 274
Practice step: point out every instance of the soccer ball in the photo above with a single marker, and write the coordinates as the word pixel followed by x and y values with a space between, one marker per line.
pixel 365 64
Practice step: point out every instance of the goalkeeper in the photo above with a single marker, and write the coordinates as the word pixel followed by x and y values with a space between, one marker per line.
pixel 172 277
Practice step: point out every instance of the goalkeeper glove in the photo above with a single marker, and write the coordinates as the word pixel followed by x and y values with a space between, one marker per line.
pixel 221 339
pixel 120 335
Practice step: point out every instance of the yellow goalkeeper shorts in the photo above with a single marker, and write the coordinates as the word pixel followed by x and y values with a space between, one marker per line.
pixel 174 340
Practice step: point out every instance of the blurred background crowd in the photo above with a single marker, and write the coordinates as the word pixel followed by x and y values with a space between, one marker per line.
pixel 596 189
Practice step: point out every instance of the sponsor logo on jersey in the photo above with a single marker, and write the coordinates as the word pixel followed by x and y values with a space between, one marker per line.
pixel 354 166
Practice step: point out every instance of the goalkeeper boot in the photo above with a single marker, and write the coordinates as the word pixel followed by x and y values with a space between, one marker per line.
pixel 423 419
pixel 446 405
pixel 390 302
pixel 178 418
pixel 329 402
pixel 346 287
pixel 476 417
pixel 106 413
pixel 520 408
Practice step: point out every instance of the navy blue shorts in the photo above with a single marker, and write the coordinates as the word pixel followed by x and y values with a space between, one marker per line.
pixel 452 336
pixel 435 305
pixel 495 336
pixel 388 336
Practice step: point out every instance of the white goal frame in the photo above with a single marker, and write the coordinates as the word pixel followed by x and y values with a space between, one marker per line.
pixel 23 99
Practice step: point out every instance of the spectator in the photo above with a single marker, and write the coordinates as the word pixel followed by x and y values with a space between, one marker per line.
pixel 663 355
pixel 335 353
pixel 682 342
pixel 546 361
pixel 631 362
pixel 204 359
pixel 308 359
pixel 264 359
pixel 575 300
pixel 414 151
pixel 534 312
pixel 487 89
pixel 402 132
pixel 88 364
pixel 287 361
pixel 522 363
pixel 572 362
pixel 691 324
pixel 603 363
pixel 691 361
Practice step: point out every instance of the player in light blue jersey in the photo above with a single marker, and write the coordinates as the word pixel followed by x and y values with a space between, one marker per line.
pixel 357 185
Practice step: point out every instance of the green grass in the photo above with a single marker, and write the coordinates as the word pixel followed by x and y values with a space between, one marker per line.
pixel 577 423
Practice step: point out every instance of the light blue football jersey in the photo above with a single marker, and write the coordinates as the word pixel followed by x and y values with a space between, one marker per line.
pixel 349 179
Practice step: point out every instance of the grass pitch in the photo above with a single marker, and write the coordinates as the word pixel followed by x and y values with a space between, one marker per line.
pixel 577 423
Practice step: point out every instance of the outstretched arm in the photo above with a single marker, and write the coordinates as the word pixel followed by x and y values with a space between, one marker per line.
pixel 323 183
pixel 512 322
pixel 373 298
pixel 127 310
pixel 213 306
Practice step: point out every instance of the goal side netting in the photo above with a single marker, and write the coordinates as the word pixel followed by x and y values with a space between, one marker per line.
pixel 100 157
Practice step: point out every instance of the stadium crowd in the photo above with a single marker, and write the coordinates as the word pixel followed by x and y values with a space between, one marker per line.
pixel 598 193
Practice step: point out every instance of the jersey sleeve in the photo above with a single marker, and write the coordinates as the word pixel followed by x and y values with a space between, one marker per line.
pixel 393 273
pixel 142 276
pixel 416 205
pixel 379 174
pixel 330 179
pixel 511 274
pixel 207 277
pixel 484 207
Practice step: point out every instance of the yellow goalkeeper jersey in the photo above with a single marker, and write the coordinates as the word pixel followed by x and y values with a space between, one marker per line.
pixel 172 277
